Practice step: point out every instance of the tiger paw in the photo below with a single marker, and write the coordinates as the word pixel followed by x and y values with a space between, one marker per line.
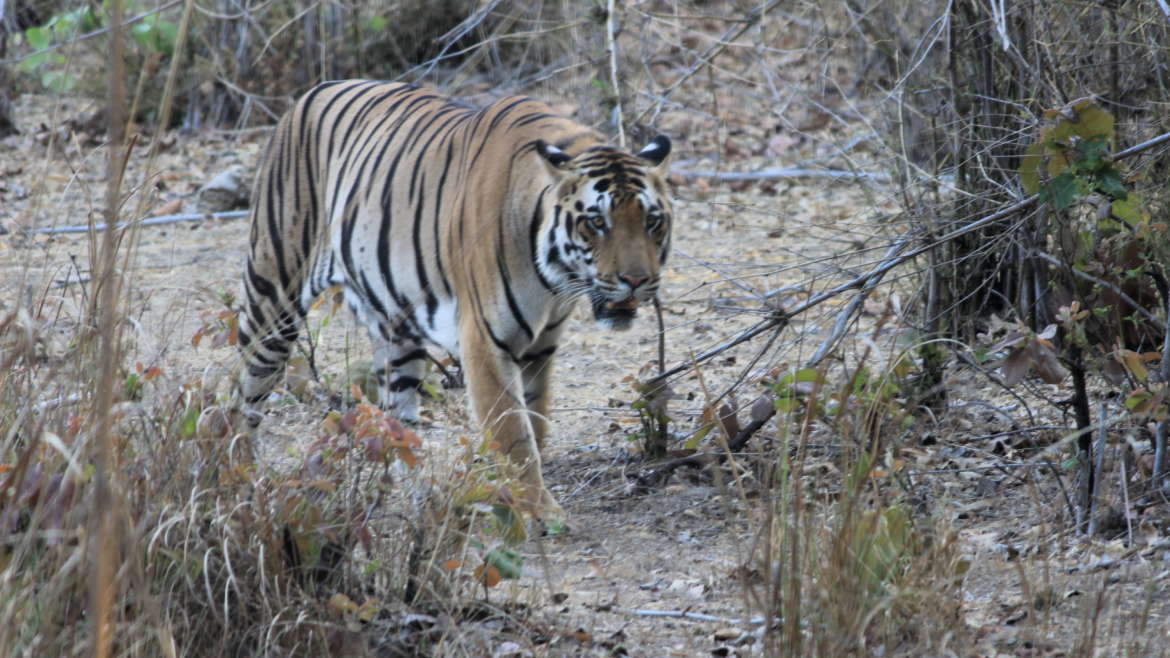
pixel 548 518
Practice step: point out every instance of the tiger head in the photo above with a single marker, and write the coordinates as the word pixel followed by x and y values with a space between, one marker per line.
pixel 608 233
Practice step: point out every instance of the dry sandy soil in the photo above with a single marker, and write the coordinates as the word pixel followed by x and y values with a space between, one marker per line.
pixel 676 549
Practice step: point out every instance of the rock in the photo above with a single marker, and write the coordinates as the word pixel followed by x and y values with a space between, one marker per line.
pixel 227 190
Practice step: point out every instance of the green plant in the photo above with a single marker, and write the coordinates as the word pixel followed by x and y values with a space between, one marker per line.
pixel 61 28
pixel 153 34
pixel 651 405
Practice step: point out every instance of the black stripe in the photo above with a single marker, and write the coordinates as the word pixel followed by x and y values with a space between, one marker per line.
pixel 553 325
pixel 405 384
pixel 326 114
pixel 438 217
pixel 542 354
pixel 487 133
pixel 261 285
pixel 420 267
pixel 413 355
pixel 506 280
pixel 531 118
pixel 534 238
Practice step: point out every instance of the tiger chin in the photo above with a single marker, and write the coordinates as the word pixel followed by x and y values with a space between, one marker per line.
pixel 474 230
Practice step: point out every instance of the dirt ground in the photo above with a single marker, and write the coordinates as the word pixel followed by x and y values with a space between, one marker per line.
pixel 676 550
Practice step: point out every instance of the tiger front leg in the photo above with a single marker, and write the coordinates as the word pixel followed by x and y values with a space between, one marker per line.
pixel 265 343
pixel 399 366
pixel 537 375
pixel 495 386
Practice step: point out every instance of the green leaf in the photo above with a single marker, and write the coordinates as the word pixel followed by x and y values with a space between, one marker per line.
pixel 1061 191
pixel 376 23
pixel 190 423
pixel 168 33
pixel 1111 184
pixel 1091 152
pixel 37 37
pixel 693 442
pixel 507 561
pixel 1128 210
pixel 133 387
pixel 1030 167
pixel 511 523
pixel 1136 398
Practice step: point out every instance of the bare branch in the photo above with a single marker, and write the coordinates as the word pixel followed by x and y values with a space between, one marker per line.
pixel 152 221
pixel 782 173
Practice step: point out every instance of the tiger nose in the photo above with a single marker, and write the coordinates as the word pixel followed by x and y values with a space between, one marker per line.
pixel 633 280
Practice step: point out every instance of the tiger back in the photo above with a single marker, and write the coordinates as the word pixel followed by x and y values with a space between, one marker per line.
pixel 473 230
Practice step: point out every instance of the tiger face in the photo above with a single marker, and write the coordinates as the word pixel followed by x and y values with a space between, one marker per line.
pixel 608 234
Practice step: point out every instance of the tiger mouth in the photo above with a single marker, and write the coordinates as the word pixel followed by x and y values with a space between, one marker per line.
pixel 617 314
pixel 630 303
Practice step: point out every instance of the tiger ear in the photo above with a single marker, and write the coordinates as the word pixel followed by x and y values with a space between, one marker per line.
pixel 552 156
pixel 656 151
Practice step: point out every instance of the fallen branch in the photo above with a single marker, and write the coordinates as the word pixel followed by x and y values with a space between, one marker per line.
pixel 151 221
pixel 845 316
pixel 653 478
pixel 696 616
pixel 782 173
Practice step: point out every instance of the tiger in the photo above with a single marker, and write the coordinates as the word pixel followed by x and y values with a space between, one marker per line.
pixel 473 230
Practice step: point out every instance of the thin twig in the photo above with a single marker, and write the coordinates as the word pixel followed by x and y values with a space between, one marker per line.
pixel 846 315
pixel 782 173
pixel 1072 511
pixel 683 614
pixel 151 221
pixel 1163 427
pixel 1099 468
pixel 611 30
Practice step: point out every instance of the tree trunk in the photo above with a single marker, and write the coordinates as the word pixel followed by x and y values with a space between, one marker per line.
pixel 7 122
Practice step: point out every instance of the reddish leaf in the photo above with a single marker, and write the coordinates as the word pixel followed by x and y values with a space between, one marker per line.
pixel 407 456
pixel 488 575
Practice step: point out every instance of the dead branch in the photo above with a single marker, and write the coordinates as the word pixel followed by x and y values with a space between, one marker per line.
pixel 151 221
pixel 846 315
pixel 784 173
pixel 611 30
pixel 655 477
pixel 696 616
